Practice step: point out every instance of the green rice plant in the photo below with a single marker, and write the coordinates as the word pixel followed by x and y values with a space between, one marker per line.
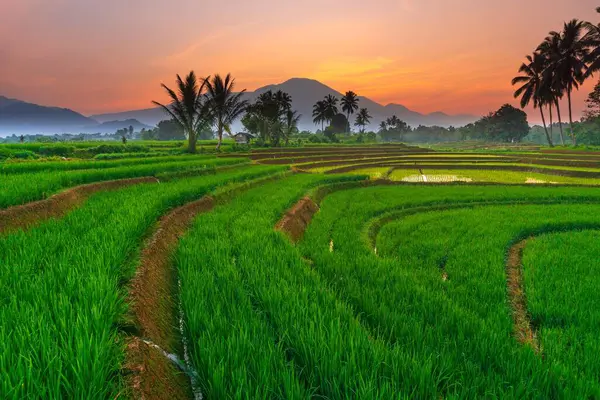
pixel 434 285
pixel 39 166
pixel 262 324
pixel 561 279
pixel 21 188
pixel 62 293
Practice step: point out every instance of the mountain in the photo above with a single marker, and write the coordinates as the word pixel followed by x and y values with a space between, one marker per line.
pixel 113 126
pixel 305 93
pixel 18 116
pixel 148 116
pixel 21 117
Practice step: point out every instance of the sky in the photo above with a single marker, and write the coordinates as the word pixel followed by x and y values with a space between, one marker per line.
pixel 430 55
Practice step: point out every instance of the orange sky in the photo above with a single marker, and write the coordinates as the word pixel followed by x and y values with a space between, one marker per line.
pixel 429 55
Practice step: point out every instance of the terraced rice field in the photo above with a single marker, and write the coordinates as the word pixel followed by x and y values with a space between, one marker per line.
pixel 370 273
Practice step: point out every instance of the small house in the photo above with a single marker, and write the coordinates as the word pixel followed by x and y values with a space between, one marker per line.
pixel 243 137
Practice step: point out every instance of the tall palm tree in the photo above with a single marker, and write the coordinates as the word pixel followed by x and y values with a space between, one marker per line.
pixel 569 66
pixel 320 113
pixel 383 126
pixel 349 105
pixel 188 108
pixel 225 105
pixel 290 124
pixel 284 100
pixel 363 118
pixel 592 40
pixel 531 88
pixel 553 87
pixel 331 109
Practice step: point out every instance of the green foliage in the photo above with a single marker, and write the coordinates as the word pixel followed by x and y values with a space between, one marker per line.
pixel 118 148
pixel 271 118
pixel 170 130
pixel 393 129
pixel 339 124
pixel 507 124
pixel 57 150
pixel 59 329
pixel 45 178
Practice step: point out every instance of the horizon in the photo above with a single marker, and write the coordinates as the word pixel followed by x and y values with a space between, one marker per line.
pixel 121 66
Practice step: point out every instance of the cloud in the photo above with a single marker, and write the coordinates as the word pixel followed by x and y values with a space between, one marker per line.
pixel 191 51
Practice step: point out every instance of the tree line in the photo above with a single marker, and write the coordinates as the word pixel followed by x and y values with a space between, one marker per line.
pixel 560 64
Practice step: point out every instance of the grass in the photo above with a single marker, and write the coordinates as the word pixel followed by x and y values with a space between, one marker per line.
pixel 395 291
pixel 464 323
pixel 21 188
pixel 561 287
pixel 62 289
pixel 496 176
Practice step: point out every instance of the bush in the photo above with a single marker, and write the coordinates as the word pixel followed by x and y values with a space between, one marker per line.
pixel 24 155
pixel 57 150
pixel 118 148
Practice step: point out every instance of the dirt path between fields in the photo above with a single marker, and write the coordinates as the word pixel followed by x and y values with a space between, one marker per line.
pixel 296 219
pixel 27 215
pixel 151 355
pixel 516 294
pixel 154 308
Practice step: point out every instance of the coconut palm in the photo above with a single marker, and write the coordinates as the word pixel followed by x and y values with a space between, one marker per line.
pixel 363 118
pixel 531 88
pixel 331 109
pixel 569 65
pixel 225 105
pixel 188 108
pixel 284 100
pixel 592 40
pixel 290 126
pixel 383 126
pixel 320 113
pixel 553 87
pixel 349 105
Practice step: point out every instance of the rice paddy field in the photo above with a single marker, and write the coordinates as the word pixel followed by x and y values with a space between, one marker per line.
pixel 329 272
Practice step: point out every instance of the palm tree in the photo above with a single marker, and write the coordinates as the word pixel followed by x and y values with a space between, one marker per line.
pixel 392 121
pixel 187 107
pixel 225 105
pixel 349 105
pixel 553 87
pixel 290 124
pixel 531 88
pixel 363 118
pixel 331 109
pixel 284 100
pixel 569 66
pixel 592 40
pixel 383 126
pixel 320 113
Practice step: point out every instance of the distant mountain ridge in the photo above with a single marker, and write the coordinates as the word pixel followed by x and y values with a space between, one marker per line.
pixel 20 117
pixel 17 117
pixel 305 93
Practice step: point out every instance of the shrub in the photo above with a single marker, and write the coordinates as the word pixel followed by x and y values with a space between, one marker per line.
pixel 57 150
pixel 119 148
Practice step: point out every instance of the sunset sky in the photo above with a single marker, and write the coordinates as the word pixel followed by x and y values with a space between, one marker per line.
pixel 430 55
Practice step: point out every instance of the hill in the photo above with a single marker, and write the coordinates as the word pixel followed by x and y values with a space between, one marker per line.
pixel 305 93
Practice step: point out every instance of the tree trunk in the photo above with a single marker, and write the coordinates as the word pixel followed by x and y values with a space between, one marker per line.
pixel 191 141
pixel 348 124
pixel 551 133
pixel 546 129
pixel 571 118
pixel 219 134
pixel 562 137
